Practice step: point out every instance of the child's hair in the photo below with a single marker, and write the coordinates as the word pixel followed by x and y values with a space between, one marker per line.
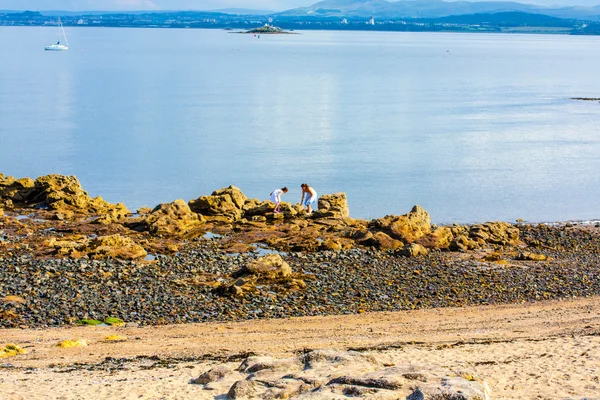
pixel 285 189
pixel 303 185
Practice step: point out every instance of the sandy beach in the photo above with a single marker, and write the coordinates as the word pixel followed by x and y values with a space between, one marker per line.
pixel 546 350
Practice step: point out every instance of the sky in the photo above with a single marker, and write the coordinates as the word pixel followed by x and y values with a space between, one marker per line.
pixel 271 5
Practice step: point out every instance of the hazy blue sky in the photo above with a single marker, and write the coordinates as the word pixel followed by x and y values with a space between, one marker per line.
pixel 275 5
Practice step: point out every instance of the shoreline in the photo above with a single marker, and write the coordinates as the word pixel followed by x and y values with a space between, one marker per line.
pixel 225 257
pixel 220 282
pixel 522 351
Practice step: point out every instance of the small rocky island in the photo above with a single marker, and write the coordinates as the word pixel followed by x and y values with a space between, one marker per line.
pixel 267 29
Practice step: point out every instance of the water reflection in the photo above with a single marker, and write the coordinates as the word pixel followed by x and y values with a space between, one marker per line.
pixel 471 127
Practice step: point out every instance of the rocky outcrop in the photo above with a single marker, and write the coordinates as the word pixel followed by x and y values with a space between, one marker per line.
pixel 113 246
pixel 269 271
pixel 171 219
pixel 331 374
pixel 407 228
pixel 333 206
pixel 228 202
pixel 501 233
pixel 60 193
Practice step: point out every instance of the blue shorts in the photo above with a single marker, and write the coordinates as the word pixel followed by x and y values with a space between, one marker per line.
pixel 310 200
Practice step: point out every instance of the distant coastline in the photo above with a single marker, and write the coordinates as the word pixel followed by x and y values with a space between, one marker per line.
pixel 501 22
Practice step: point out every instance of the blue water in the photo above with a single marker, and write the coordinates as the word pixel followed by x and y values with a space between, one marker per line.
pixel 473 127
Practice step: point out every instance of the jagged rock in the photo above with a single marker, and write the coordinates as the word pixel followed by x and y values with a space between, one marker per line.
pixel 363 237
pixel 115 246
pixel 331 374
pixel 334 244
pixel 16 190
pixel 243 390
pixel 501 233
pixel 333 205
pixel 59 193
pixel 254 207
pixel 174 218
pixel 408 227
pixel 212 375
pixel 463 243
pixel 384 242
pixel 270 271
pixel 440 238
pixel 414 250
pixel 270 267
pixel 227 202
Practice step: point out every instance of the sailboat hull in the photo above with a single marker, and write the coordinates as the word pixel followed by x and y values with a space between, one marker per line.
pixel 56 47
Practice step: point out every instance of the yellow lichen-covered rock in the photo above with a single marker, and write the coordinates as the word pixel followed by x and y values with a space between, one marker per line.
pixel 271 266
pixel 501 233
pixel 115 338
pixel 11 350
pixel 414 250
pixel 65 344
pixel 408 227
pixel 174 218
pixel 68 246
pixel 270 271
pixel 334 205
pixel 463 243
pixel 227 202
pixel 114 246
pixel 440 238
pixel 385 242
pixel 59 192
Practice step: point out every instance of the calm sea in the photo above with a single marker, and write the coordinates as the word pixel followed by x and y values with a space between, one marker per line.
pixel 473 127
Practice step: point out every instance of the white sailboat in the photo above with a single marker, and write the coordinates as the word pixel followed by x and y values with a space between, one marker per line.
pixel 58 46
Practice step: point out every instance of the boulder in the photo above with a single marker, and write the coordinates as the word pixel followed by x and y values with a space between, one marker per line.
pixel 269 267
pixel 407 228
pixel 501 233
pixel 332 374
pixel 333 205
pixel 414 250
pixel 227 202
pixel 212 375
pixel 270 272
pixel 16 190
pixel 384 242
pixel 115 246
pixel 463 243
pixel 243 390
pixel 254 207
pixel 172 219
pixel 440 238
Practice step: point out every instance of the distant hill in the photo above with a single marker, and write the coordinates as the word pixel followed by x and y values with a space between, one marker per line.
pixel 244 11
pixel 508 19
pixel 431 9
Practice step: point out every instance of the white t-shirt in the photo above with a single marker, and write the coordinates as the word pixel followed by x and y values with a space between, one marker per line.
pixel 275 195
